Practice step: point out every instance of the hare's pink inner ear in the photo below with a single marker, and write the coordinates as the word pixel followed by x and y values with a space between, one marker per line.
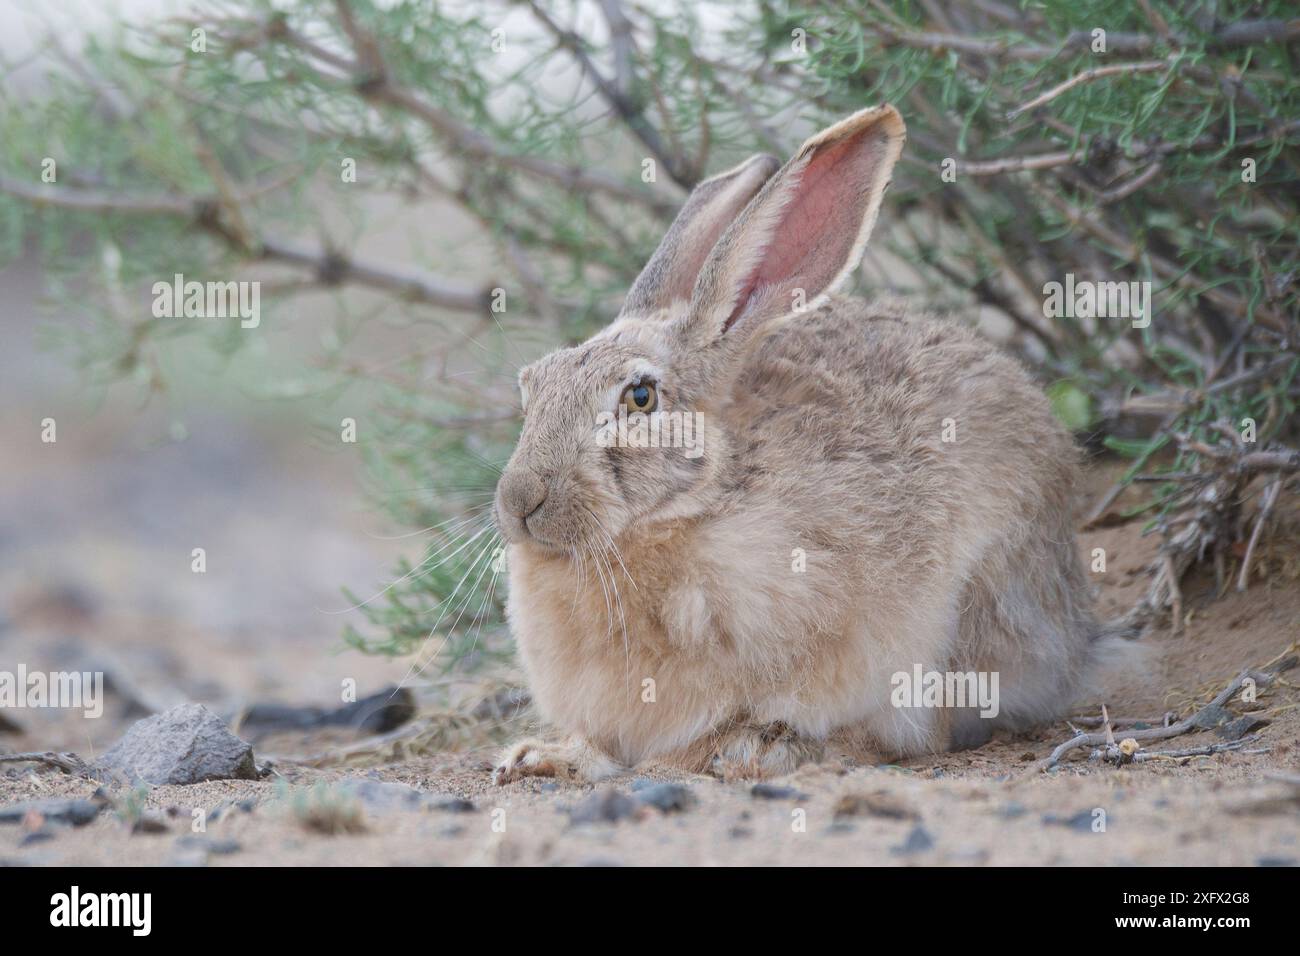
pixel 670 274
pixel 804 233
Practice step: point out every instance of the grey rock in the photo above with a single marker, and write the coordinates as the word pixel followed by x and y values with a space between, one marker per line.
pixel 665 797
pixel 604 806
pixel 1210 717
pixel 1277 861
pixel 77 812
pixel 1236 729
pixel 187 744
pixel 40 836
pixel 376 714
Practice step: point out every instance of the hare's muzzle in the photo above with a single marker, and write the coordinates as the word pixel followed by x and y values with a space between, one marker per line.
pixel 521 493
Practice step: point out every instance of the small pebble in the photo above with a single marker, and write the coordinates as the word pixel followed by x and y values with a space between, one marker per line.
pixel 1012 811
pixel 604 806
pixel 455 805
pixel 199 842
pixel 1081 821
pixel 918 841
pixel 151 821
pixel 665 797
pixel 771 791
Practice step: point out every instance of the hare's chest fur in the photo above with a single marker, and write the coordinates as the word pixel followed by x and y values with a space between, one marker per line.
pixel 729 618
pixel 708 621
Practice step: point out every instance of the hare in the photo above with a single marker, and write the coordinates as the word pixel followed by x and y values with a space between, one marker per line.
pixel 865 494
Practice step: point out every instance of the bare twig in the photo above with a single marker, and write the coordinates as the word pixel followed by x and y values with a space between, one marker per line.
pixel 64 760
pixel 621 45
pixel 1052 160
pixel 1116 754
pixel 1094 721
pixel 1265 506
pixel 1132 185
pixel 1241 33
pixel 1087 76
pixel 328 268
pixel 1015 164
pixel 332 268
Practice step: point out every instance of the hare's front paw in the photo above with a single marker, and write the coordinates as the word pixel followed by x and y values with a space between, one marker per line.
pixel 748 751
pixel 574 760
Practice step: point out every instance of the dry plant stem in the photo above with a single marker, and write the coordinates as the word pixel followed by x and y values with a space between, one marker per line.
pixel 1229 36
pixel 1012 164
pixel 1265 507
pixel 1094 721
pixel 1184 726
pixel 65 761
pixel 628 111
pixel 1207 515
pixel 1113 754
pixel 1148 66
pixel 328 268
pixel 372 82
pixel 1129 187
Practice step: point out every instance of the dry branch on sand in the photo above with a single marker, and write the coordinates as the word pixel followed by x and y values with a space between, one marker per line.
pixel 1206 717
pixel 1203 515
pixel 65 761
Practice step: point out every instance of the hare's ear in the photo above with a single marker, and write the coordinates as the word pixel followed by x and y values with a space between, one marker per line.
pixel 804 232
pixel 671 272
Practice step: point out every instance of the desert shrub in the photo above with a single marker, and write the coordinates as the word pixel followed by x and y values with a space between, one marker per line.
pixel 1096 141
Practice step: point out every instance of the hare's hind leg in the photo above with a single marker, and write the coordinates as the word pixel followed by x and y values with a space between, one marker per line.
pixel 746 750
pixel 1026 618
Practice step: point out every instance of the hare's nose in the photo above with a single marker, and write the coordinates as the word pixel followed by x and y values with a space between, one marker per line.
pixel 522 493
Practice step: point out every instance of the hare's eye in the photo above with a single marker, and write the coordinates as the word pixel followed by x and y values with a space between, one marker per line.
pixel 640 398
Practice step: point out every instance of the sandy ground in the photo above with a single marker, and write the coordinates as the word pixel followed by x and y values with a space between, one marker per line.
pixel 989 806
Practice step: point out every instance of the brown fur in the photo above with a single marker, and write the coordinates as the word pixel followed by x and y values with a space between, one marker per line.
pixel 823 434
